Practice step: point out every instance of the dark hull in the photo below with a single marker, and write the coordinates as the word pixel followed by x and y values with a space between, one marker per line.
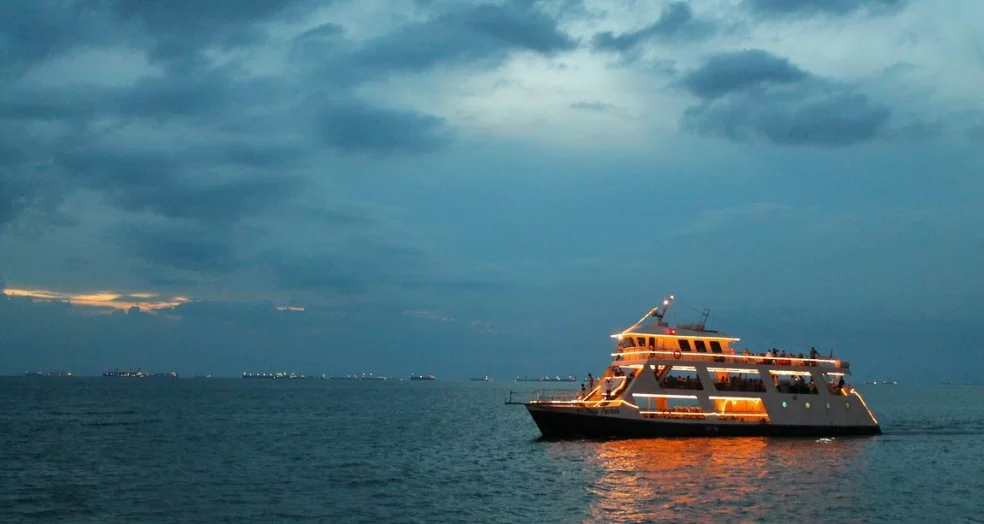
pixel 568 425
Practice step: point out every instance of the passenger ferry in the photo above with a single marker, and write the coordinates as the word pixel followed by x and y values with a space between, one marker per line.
pixel 689 381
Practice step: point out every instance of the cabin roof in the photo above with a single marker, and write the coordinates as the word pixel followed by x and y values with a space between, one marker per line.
pixel 655 328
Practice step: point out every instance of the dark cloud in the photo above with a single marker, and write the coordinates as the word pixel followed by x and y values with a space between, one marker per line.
pixel 13 196
pixel 180 30
pixel 177 184
pixel 355 126
pixel 355 267
pixel 459 285
pixel 740 70
pixel 172 283
pixel 465 34
pixel 317 41
pixel 175 33
pixel 37 30
pixel 774 8
pixel 749 94
pixel 225 201
pixel 25 180
pixel 198 93
pixel 601 107
pixel 676 23
pixel 253 313
pixel 196 96
pixel 196 249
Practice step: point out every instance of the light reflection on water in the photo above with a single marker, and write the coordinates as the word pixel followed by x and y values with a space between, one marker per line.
pixel 732 479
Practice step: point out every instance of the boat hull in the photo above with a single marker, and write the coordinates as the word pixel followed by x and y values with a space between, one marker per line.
pixel 559 425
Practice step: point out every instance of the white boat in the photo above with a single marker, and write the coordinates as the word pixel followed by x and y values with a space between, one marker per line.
pixel 689 381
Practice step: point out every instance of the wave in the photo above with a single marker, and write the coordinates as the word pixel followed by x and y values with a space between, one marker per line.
pixel 914 428
pixel 123 422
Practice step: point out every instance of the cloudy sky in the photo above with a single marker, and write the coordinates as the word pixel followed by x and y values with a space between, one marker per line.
pixel 471 188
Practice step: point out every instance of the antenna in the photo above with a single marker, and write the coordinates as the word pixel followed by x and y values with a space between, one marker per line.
pixel 703 318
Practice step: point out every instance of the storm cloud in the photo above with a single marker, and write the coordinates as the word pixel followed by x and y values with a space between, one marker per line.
pixel 806 8
pixel 353 126
pixel 752 93
pixel 476 34
pixel 444 171
pixel 195 249
pixel 676 23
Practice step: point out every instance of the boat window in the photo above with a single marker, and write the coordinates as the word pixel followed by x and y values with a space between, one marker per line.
pixel 834 381
pixel 699 345
pixel 681 377
pixel 726 379
pixel 641 342
pixel 795 382
pixel 684 344
pixel 740 409
pixel 676 406
pixel 651 342
pixel 715 346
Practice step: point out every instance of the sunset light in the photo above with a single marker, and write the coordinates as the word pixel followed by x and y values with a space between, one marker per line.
pixel 101 299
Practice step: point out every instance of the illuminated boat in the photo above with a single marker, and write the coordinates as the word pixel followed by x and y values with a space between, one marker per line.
pixel 689 381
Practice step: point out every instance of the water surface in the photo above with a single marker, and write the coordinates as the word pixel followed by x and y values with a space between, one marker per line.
pixel 233 450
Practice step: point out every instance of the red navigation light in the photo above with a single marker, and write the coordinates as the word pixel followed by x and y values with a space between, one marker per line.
pixel 671 331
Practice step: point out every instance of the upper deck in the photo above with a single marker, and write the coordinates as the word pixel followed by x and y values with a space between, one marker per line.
pixel 702 348
pixel 653 338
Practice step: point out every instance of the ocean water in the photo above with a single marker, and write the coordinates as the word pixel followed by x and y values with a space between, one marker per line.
pixel 233 450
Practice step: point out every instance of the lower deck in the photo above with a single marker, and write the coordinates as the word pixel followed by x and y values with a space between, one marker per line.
pixel 571 424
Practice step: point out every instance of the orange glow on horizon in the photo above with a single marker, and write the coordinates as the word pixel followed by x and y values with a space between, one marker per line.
pixel 101 299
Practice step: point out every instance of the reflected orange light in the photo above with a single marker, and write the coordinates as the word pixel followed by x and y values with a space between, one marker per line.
pixel 711 479
pixel 101 299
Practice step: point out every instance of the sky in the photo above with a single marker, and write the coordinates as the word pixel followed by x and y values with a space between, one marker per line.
pixel 472 188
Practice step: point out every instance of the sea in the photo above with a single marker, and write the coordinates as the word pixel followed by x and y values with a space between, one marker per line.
pixel 233 450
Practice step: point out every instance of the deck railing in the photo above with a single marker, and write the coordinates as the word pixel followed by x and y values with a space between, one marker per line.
pixel 643 353
pixel 553 395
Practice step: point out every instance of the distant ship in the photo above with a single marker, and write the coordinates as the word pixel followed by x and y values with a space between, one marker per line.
pixel 569 378
pixel 47 373
pixel 364 376
pixel 277 375
pixel 137 373
pixel 422 377
pixel 259 375
pixel 126 373
pixel 486 378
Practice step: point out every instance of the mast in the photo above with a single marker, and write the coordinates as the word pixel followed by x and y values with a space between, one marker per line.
pixel 654 312
pixel 667 302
